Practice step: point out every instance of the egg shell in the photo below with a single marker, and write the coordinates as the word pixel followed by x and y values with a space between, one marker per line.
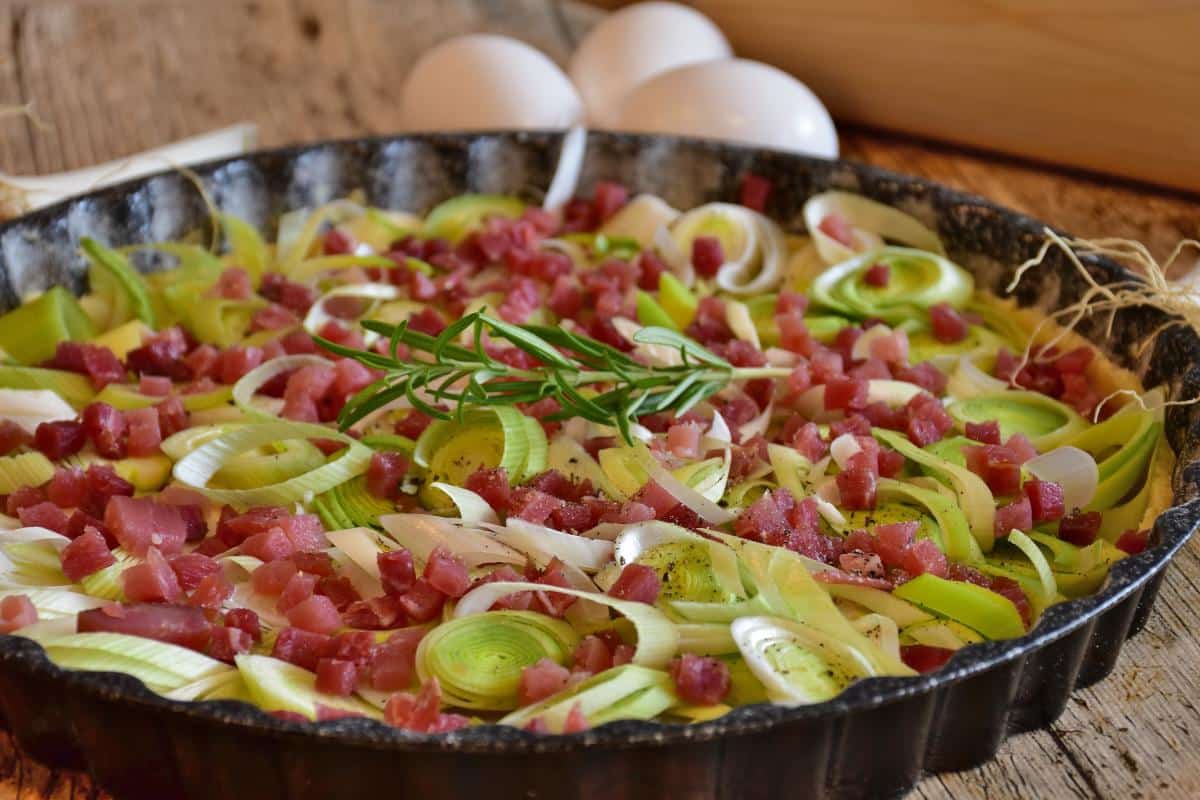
pixel 634 44
pixel 486 82
pixel 737 100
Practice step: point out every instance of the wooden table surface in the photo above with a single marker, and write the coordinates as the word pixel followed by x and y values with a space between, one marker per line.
pixel 111 77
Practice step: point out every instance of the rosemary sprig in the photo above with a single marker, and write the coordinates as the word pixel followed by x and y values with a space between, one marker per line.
pixel 588 378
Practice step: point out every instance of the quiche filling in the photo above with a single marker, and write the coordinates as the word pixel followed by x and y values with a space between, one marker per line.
pixel 550 470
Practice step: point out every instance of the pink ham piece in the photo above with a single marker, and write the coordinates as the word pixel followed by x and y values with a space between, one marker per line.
pixel 336 677
pixel 541 680
pixel 420 713
pixel 246 620
pixel 44 515
pixel 396 571
pixel 85 555
pixel 192 568
pixel 422 602
pixel 139 523
pixel 393 663
pixel 271 578
pixel 16 611
pixel 212 591
pixel 700 680
pixel 270 546
pixel 302 648
pixel 182 625
pixel 228 642
pixel 68 488
pixel 316 614
pixel 446 573
pixel 592 655
pixel 152 581
pixel 300 587
pixel 638 583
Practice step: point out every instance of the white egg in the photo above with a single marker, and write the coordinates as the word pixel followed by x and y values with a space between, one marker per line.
pixel 737 100
pixel 637 43
pixel 482 81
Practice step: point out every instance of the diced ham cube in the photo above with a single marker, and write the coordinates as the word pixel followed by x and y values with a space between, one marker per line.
pixel 845 394
pixel 492 485
pixel 415 713
pixel 838 228
pixel 684 440
pixel 948 325
pixel 707 255
pixel 16 611
pixel 447 573
pixel 700 680
pixel 1080 528
pixel 396 571
pixel 1046 499
pixel 302 648
pixel 152 581
pixel 385 472
pixel 576 722
pixel 59 439
pixel 878 275
pixel 44 515
pixel 857 484
pixel 337 677
pixel 422 602
pixel 393 664
pixel 541 680
pixel 986 432
pixel 85 555
pixel 246 620
pixel 924 556
pixel 140 523
pixel 68 488
pixel 1133 542
pixel 226 643
pixel 317 614
pixel 299 588
pixel 924 658
pixel 532 505
pixel 1021 448
pixel 754 191
pixel 273 577
pixel 212 592
pixel 270 546
pixel 592 655
pixel 1017 515
pixel 638 583
pixel 191 568
pixel 340 590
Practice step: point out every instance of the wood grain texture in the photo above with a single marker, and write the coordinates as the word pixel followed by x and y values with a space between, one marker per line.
pixel 111 77
pixel 1105 84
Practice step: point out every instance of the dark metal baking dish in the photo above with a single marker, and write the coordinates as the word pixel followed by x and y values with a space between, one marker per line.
pixel 872 741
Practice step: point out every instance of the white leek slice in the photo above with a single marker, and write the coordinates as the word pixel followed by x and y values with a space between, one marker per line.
pixel 968 380
pixel 640 219
pixel 317 316
pixel 753 245
pixel 737 317
pixel 844 448
pixel 199 689
pixel 421 533
pixel 528 537
pixel 882 631
pixel 871 222
pixel 471 507
pixel 31 407
pixel 362 546
pixel 706 509
pixel 680 263
pixel 759 424
pixel 797 664
pixel 880 602
pixel 277 685
pixel 1073 469
pixel 811 404
pixel 197 468
pixel 249 384
pixel 566 172
pixel 657 637
pixel 974 497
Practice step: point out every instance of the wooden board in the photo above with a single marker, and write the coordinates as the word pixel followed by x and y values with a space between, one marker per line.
pixel 1109 85
pixel 111 77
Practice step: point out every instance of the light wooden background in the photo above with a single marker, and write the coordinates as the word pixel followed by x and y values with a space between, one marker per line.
pixel 1112 85
pixel 111 77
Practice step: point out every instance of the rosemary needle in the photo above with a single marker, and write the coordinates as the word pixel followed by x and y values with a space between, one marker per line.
pixel 588 378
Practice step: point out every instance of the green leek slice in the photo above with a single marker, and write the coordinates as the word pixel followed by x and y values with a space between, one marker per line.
pixel 649 312
pixel 30 333
pixel 657 638
pixel 279 686
pixel 75 389
pixel 878 601
pixel 1123 446
pixel 269 464
pixel 124 397
pixel 24 469
pixel 944 633
pixel 246 246
pixel 626 692
pixel 123 338
pixel 677 301
pixel 198 467
pixel 478 660
pixel 495 437
pixel 351 505
pixel 975 499
pixel 459 216
pixel 1047 422
pixel 160 665
pixel 796 663
pixel 112 276
pixel 918 281
pixel 980 609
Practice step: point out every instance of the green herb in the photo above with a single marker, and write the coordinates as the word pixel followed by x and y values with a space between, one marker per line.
pixel 588 378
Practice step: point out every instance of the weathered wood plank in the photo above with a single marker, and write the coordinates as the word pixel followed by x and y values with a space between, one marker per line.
pixel 116 76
